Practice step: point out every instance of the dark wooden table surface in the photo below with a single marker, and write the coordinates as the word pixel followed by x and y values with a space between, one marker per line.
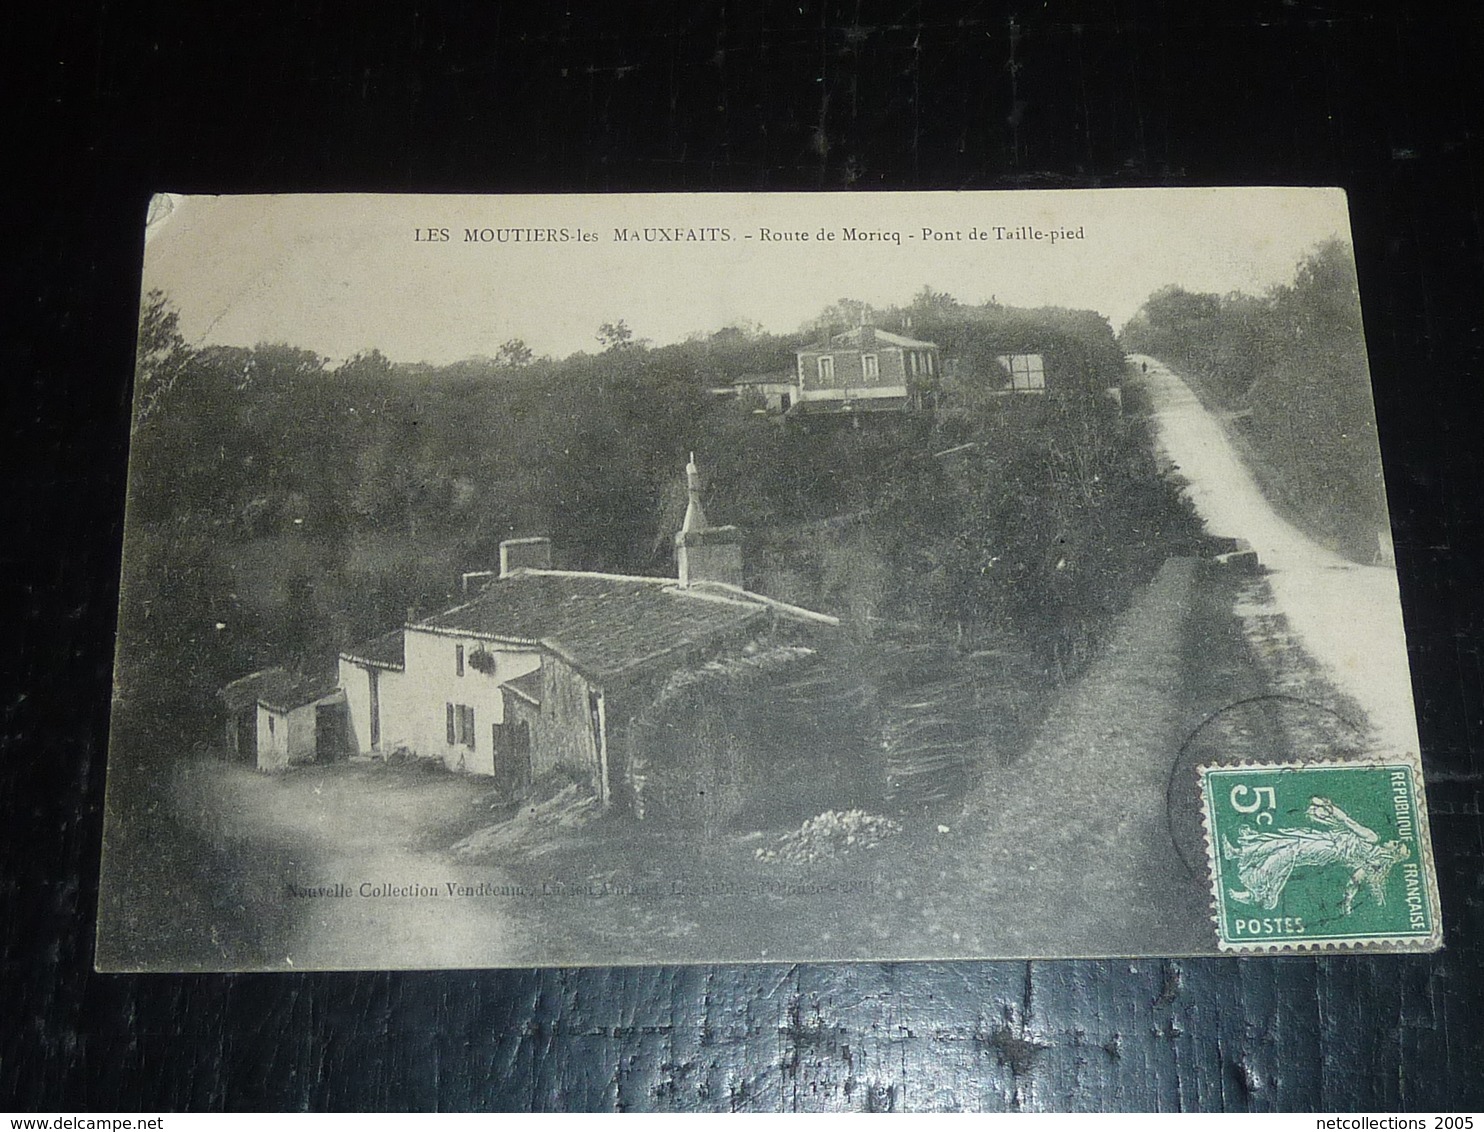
pixel 108 103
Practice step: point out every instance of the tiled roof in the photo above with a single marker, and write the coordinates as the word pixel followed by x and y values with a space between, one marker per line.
pixel 605 624
pixel 277 689
pixel 886 337
pixel 385 651
pixel 527 687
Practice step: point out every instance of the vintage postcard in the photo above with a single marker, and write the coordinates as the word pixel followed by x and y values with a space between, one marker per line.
pixel 595 580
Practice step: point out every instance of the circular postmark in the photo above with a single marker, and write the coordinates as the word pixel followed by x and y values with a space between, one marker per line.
pixel 1257 729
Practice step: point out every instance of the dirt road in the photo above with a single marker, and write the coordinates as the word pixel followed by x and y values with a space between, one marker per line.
pixel 359 860
pixel 1348 617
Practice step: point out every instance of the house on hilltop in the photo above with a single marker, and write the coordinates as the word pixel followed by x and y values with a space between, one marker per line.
pixel 864 370
pixel 586 674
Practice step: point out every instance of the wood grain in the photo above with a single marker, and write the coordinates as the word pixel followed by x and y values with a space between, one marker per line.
pixel 110 104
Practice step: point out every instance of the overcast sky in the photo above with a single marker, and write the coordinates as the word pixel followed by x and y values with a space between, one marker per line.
pixel 339 274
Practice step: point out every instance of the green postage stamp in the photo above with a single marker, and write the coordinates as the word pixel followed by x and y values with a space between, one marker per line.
pixel 1318 855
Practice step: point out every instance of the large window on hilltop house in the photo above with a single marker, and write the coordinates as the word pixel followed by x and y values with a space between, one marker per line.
pixel 826 370
pixel 870 366
pixel 1027 372
pixel 920 363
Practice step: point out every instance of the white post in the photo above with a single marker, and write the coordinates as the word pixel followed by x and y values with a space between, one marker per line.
pixel 603 793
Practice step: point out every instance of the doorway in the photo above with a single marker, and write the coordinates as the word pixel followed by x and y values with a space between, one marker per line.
pixel 331 732
pixel 511 743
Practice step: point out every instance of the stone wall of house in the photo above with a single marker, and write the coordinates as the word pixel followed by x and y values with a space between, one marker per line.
pixel 355 680
pixel 272 739
pixel 513 772
pixel 566 738
pixel 725 745
pixel 710 778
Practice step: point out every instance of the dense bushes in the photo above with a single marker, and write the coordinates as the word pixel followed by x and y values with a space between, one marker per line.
pixel 281 507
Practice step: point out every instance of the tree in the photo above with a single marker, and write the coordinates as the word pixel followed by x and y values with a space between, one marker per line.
pixel 365 365
pixel 159 356
pixel 616 336
pixel 845 314
pixel 515 354
pixel 929 301
pixel 1295 358
pixel 1325 296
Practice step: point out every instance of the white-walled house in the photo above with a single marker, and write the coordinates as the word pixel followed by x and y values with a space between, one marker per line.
pixel 547 670
pixel 434 688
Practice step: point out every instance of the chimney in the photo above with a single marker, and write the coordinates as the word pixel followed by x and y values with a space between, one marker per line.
pixel 868 337
pixel 705 553
pixel 524 554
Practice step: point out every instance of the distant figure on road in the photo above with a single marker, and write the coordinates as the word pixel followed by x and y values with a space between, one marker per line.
pixel 1143 367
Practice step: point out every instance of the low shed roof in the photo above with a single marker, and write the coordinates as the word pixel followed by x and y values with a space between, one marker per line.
pixel 527 687
pixel 278 690
pixel 385 651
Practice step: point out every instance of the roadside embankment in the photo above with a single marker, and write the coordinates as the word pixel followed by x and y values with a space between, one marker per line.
pixel 1074 854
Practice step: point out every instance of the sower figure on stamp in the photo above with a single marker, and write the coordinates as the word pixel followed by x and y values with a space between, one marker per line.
pixel 1265 861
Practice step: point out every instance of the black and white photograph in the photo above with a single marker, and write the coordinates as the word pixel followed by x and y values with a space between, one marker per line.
pixel 590 580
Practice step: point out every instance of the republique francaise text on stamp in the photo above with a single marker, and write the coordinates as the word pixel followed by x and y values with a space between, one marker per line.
pixel 1320 854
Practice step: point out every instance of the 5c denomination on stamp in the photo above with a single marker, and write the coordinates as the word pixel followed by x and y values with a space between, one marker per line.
pixel 1317 855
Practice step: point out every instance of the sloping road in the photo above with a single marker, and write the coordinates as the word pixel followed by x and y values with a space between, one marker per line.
pixel 1348 617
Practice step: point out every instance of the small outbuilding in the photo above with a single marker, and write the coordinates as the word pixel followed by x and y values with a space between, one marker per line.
pixel 277 719
pixel 773 392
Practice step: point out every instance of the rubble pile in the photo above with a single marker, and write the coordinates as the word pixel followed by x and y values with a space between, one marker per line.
pixel 529 829
pixel 832 834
